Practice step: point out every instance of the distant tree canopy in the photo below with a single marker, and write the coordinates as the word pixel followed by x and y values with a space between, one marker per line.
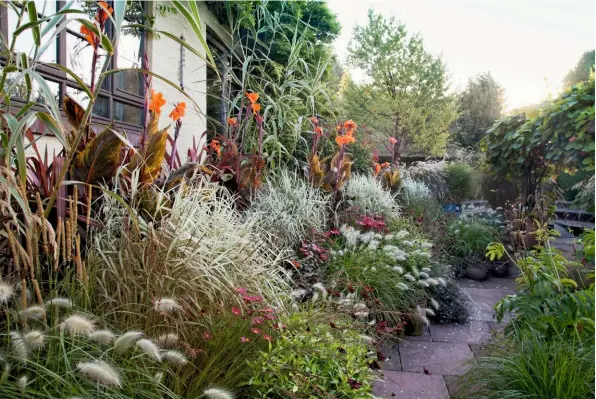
pixel 313 18
pixel 582 69
pixel 405 94
pixel 479 106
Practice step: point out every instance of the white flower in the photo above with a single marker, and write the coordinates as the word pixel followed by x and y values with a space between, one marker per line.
pixel 149 348
pixel 402 234
pixel 6 292
pixel 174 357
pixel 216 393
pixel 33 312
pixel 426 245
pixel 401 286
pixel 127 340
pixel 22 382
pixel 64 303
pixel 100 372
pixel 102 337
pixel 77 324
pixel 432 281
pixel 425 255
pixel 398 269
pixel 167 340
pixel 388 237
pixel 368 340
pixel 165 305
pixel 34 339
pixel 409 277
pixel 18 345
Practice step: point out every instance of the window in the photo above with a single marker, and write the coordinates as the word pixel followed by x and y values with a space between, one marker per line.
pixel 121 96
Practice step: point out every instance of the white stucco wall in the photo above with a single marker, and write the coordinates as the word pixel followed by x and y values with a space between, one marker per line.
pixel 164 56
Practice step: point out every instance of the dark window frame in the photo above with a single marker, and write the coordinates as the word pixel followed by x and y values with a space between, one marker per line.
pixel 108 89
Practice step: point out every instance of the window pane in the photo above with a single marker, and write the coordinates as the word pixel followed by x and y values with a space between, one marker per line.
pixel 128 113
pixel 25 41
pixel 19 89
pixel 130 56
pixel 101 106
pixel 79 57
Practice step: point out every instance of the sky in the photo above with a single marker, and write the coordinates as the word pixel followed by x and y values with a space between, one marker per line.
pixel 527 45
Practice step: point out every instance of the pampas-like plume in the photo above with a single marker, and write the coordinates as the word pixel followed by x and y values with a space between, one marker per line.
pixel 100 372
pixel 442 281
pixel 434 303
pixel 149 348
pixel 174 357
pixel 368 340
pixel 127 340
pixel 158 377
pixel 63 303
pixel 167 340
pixel 409 277
pixel 398 269
pixel 401 286
pixel 6 292
pixel 18 345
pixel 102 337
pixel 423 275
pixel 216 393
pixel 34 339
pixel 77 324
pixel 22 382
pixel 429 312
pixel 426 269
pixel 423 283
pixel 33 312
pixel 165 305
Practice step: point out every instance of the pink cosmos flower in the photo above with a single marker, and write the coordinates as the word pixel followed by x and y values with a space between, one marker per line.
pixel 207 336
pixel 255 330
pixel 241 290
pixel 267 337
pixel 236 311
pixel 257 320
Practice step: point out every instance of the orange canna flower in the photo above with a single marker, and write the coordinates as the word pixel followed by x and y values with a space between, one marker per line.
pixel 314 120
pixel 256 108
pixel 345 139
pixel 157 101
pixel 377 168
pixel 253 97
pixel 89 35
pixel 318 131
pixel 215 146
pixel 350 125
pixel 392 140
pixel 232 121
pixel 179 111
pixel 103 12
pixel 385 165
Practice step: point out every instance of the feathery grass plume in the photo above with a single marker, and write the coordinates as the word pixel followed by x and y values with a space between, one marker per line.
pixel 415 271
pixel 432 281
pixel 22 382
pixel 423 275
pixel 33 312
pixel 159 377
pixel 149 348
pixel 422 314
pixel 434 303
pixel 6 292
pixel 319 290
pixel 398 269
pixel 426 269
pixel 167 340
pixel 166 305
pixel 63 303
pixel 102 337
pixel 100 372
pixel 423 283
pixel 174 357
pixel 34 339
pixel 408 276
pixel 400 235
pixel 18 345
pixel 388 237
pixel 442 281
pixel 425 255
pixel 368 340
pixel 361 315
pixel 430 312
pixel 77 324
pixel 127 340
pixel 216 393
pixel 426 245
pixel 402 286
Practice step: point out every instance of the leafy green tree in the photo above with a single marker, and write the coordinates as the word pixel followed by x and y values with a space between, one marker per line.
pixel 479 106
pixel 582 69
pixel 405 95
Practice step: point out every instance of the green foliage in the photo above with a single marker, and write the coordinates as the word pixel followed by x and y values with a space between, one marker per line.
pixel 467 236
pixel 495 250
pixel 587 239
pixel 406 97
pixel 312 359
pixel 460 179
pixel 532 367
pixel 370 198
pixel 479 106
pixel 582 69
pixel 561 136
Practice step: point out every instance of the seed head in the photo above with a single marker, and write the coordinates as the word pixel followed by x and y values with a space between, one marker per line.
pixel 127 340
pixel 102 337
pixel 34 339
pixel 100 372
pixel 167 340
pixel 33 312
pixel 149 348
pixel 77 324
pixel 174 357
pixel 216 393
pixel 6 292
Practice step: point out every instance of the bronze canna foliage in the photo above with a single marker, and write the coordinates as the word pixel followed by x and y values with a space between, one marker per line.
pixel 330 177
pixel 99 159
pixel 149 158
pixel 390 179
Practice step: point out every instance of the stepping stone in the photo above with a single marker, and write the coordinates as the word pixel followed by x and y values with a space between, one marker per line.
pixel 495 327
pixel 483 302
pixel 479 350
pixel 467 283
pixel 496 283
pixel 473 332
pixel 392 360
pixel 424 337
pixel 452 382
pixel 402 385
pixel 437 357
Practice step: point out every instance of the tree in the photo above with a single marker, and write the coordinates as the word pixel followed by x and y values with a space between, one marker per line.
pixel 479 106
pixel 582 70
pixel 405 95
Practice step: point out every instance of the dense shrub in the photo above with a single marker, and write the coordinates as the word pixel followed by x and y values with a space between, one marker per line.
pixel 453 304
pixel 459 178
pixel 315 356
pixel 289 209
pixel 368 195
pixel 466 236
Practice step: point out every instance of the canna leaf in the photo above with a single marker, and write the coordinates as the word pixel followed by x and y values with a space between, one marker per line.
pixel 74 111
pixel 99 160
pixel 156 151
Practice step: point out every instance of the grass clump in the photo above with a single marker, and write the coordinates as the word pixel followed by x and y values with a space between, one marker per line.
pixel 368 195
pixel 459 178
